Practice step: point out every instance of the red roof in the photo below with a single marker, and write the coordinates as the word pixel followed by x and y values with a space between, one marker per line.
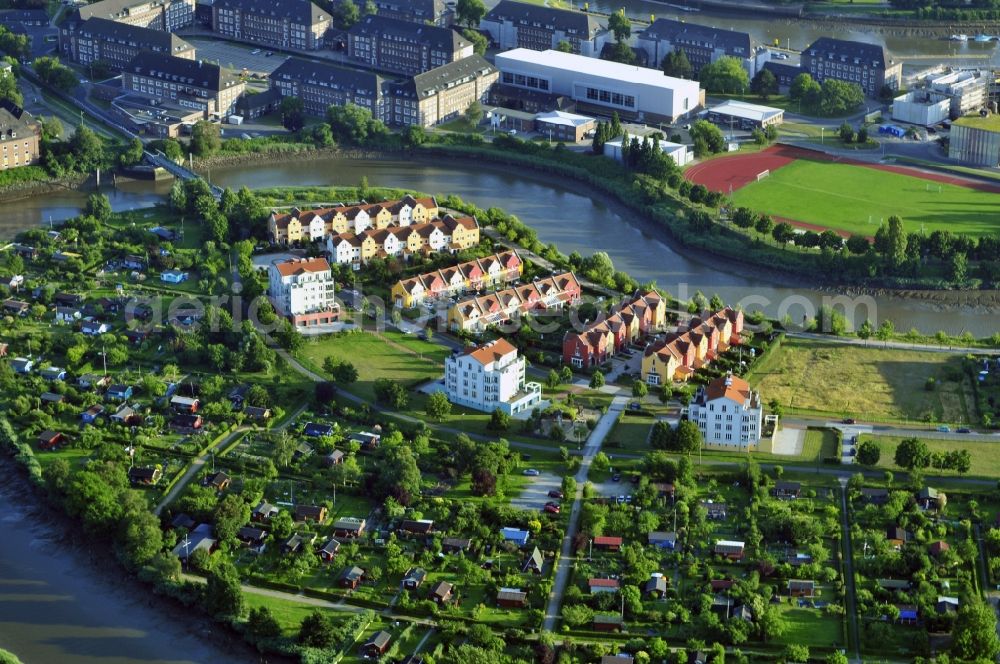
pixel 608 541
pixel 299 266
pixel 603 583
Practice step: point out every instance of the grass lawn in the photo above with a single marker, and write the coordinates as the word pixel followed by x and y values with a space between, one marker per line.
pixel 811 627
pixel 631 433
pixel 375 358
pixel 870 383
pixel 985 460
pixel 290 614
pixel 845 197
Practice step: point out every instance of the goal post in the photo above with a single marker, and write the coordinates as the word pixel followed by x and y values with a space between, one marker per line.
pixel 763 174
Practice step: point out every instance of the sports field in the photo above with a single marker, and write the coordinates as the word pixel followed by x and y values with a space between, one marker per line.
pixel 816 191
pixel 857 199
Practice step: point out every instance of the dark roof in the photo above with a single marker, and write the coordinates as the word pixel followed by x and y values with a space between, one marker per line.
pixel 295 11
pixel 133 35
pixel 780 69
pixel 829 48
pixel 326 75
pixel 113 8
pixel 444 77
pixel 678 33
pixel 13 117
pixel 519 13
pixel 425 10
pixel 11 16
pixel 190 72
pixel 431 36
pixel 263 99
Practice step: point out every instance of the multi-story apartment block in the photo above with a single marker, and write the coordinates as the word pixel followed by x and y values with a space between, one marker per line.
pixel 166 15
pixel 626 324
pixel 190 83
pixel 403 47
pixel 19 136
pixel 431 12
pixel 442 93
pixel 291 24
pixel 320 85
pixel 490 377
pixel 447 234
pixel 868 65
pixel 728 413
pixel 519 25
pixel 100 40
pixel 490 272
pixel 476 313
pixel 313 225
pixel 680 354
pixel 302 290
pixel 701 44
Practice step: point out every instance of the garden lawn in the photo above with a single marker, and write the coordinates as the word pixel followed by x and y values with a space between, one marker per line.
pixel 856 198
pixel 375 358
pixel 811 627
pixel 870 383
pixel 631 433
pixel 985 460
pixel 290 614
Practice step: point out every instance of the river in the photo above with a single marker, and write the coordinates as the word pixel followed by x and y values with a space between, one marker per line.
pixel 561 212
pixel 55 608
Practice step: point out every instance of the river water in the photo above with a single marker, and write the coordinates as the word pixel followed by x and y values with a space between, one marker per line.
pixel 55 608
pixel 560 211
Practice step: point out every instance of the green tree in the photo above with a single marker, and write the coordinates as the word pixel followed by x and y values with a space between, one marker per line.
pixel 390 392
pixel 132 154
pixel 292 111
pixel 676 64
pixel 885 331
pixel 764 84
pixel 912 454
pixel 620 26
pixel 564 46
pixel 99 207
pixel 345 14
pixel 262 625
pixel 725 75
pixel 710 135
pixel 223 594
pixel 959 267
pixel 783 233
pixel 974 636
pixel 639 389
pixel 764 225
pixel 805 90
pixel 597 380
pixel 869 453
pixel 400 476
pixel 478 40
pixel 796 652
pixel 470 12
pixel 566 375
pixel 839 97
pixel 474 113
pixel 317 630
pixel 499 421
pixel 687 437
pixel 206 138
pixel 438 406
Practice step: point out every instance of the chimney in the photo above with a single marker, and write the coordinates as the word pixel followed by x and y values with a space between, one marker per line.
pixel 729 380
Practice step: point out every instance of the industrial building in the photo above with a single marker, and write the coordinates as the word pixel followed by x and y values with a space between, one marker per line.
pixel 601 86
pixel 921 107
pixel 741 115
pixel 975 139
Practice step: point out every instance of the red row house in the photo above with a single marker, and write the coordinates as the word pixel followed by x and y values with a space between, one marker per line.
pixel 642 315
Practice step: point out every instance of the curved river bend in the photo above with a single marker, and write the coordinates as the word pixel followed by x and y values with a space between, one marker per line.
pixel 561 212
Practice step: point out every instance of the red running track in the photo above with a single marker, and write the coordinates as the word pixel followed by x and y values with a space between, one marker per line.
pixel 725 174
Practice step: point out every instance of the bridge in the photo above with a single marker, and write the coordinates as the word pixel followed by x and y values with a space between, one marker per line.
pixel 177 170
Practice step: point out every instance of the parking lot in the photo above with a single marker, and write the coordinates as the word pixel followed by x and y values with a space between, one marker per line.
pixel 236 56
pixel 536 493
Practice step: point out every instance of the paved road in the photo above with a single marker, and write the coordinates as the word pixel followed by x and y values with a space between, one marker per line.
pixel 852 624
pixel 920 431
pixel 564 562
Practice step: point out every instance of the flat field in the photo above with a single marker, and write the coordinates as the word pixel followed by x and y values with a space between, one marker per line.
pixel 870 383
pixel 856 198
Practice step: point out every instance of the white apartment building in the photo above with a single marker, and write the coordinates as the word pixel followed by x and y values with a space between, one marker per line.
pixel 728 413
pixel 302 290
pixel 488 377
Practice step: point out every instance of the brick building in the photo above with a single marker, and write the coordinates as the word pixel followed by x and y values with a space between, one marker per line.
pixel 19 136
pixel 189 83
pixel 320 85
pixel 100 40
pixel 292 24
pixel 442 93
pixel 868 65
pixel 166 15
pixel 402 47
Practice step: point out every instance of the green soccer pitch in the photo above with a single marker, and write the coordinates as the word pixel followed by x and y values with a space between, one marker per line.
pixel 857 198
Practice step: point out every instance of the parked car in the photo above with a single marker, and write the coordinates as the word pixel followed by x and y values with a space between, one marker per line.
pixel 269 54
pixel 552 508
pixel 617 477
pixel 963 430
pixel 849 420
pixel 256 51
pixel 555 494
pixel 531 472
pixel 944 428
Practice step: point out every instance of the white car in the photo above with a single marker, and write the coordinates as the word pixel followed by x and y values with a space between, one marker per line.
pixel 531 472
pixel 256 51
